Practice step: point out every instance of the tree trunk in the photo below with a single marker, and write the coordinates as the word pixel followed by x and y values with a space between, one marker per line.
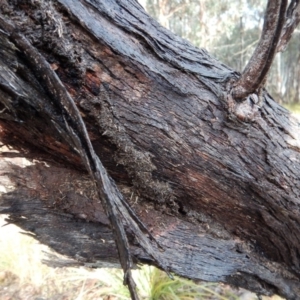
pixel 218 190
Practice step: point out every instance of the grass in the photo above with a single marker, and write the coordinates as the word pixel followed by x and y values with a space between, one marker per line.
pixel 164 288
pixel 294 108
pixel 24 277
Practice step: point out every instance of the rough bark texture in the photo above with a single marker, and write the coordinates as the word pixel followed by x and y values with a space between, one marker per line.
pixel 221 195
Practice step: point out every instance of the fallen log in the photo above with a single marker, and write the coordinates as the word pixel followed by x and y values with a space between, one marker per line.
pixel 213 177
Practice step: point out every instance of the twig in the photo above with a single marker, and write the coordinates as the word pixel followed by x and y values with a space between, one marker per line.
pixel 259 64
pixel 291 22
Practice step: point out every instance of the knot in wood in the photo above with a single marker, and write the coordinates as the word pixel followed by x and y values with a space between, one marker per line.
pixel 246 110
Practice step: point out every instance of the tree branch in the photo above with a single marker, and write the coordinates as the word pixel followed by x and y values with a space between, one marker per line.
pixel 259 64
pixel 291 22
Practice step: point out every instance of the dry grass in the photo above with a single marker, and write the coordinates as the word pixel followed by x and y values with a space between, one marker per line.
pixel 23 276
pixel 294 108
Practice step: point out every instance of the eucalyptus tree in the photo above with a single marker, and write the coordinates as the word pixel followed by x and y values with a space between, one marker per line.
pixel 146 149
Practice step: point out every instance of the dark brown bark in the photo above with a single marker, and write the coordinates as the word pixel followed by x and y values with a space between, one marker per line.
pixel 219 194
pixel 72 129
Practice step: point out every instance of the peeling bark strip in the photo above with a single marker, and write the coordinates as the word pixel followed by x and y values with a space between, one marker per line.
pixel 115 206
pixel 192 251
pixel 220 195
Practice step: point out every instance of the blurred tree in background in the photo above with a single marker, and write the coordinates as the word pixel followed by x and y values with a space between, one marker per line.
pixel 230 30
